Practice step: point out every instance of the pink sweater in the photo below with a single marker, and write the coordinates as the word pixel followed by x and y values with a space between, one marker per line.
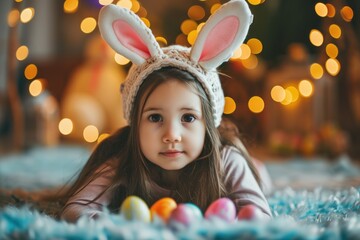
pixel 240 182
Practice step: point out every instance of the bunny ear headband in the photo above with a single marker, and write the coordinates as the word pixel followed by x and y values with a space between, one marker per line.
pixel 223 32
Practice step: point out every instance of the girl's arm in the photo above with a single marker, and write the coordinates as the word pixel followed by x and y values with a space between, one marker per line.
pixel 83 203
pixel 241 184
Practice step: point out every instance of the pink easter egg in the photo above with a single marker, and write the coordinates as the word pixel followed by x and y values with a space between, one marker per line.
pixel 222 208
pixel 183 214
pixel 250 212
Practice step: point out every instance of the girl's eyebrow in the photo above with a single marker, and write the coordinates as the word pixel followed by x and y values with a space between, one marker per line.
pixel 148 109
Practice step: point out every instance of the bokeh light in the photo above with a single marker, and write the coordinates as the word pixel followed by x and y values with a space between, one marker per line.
pixel 230 105
pixel 187 26
pixel 88 25
pixel 316 37
pixel 316 71
pixel 321 9
pixel 332 66
pixel 332 50
pixel 331 10
pixel 305 88
pixel 196 12
pixel 256 104
pixel 27 14
pixel 347 13
pixel 102 137
pixel 90 133
pixel 255 45
pixel 13 17
pixel 30 71
pixel 120 59
pixel 66 126
pixel 35 88
pixel 22 53
pixel 71 6
pixel 277 93
pixel 335 31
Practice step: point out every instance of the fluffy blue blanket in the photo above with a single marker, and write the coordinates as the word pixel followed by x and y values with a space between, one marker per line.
pixel 301 210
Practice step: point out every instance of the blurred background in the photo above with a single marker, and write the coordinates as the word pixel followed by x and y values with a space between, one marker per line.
pixel 292 88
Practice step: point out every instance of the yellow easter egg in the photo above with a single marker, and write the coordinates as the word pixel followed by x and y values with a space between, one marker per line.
pixel 134 208
pixel 163 208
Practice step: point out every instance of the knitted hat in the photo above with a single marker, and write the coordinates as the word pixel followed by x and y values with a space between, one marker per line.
pixel 223 32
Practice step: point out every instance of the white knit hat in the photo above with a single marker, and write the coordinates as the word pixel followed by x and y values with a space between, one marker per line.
pixel 224 31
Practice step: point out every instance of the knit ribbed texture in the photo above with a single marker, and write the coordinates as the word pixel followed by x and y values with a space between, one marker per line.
pixel 179 57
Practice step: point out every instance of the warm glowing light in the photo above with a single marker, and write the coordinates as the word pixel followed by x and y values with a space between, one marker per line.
pixel 13 17
pixel 332 50
pixel 187 26
pixel 237 53
pixel 316 37
pixel 88 25
pixel 22 53
pixel 196 12
pixel 35 88
pixel 146 21
pixel 288 98
pixel 142 12
pixel 305 88
pixel 90 133
pixel 27 14
pixel 335 31
pixel 71 6
pixel 277 93
pixel 333 66
pixel 331 10
pixel 199 27
pixel 102 137
pixel 162 41
pixel 256 2
pixel 30 71
pixel 105 2
pixel 125 4
pixel 120 59
pixel 316 71
pixel 192 37
pixel 321 9
pixel 66 126
pixel 230 105
pixel 181 39
pixel 215 7
pixel 245 51
pixel 294 93
pixel 251 62
pixel 256 104
pixel 255 45
pixel 135 6
pixel 347 13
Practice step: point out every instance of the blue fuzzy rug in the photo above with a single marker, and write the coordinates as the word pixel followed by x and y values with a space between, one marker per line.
pixel 313 199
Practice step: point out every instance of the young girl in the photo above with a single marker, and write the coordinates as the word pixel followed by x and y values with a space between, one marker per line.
pixel 173 102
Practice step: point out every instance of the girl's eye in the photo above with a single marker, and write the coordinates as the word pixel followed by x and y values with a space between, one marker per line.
pixel 188 118
pixel 155 118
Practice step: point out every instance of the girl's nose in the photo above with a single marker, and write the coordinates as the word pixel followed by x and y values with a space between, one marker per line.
pixel 172 134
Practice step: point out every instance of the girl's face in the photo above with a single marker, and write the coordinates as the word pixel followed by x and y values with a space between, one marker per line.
pixel 172 126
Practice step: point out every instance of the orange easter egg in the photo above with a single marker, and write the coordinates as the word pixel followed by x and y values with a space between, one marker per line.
pixel 163 208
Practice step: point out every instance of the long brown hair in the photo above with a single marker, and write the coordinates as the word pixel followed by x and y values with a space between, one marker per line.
pixel 133 173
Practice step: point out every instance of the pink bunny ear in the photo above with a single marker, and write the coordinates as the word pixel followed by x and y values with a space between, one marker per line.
pixel 224 31
pixel 127 34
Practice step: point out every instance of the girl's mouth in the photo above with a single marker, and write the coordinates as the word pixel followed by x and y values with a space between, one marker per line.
pixel 172 153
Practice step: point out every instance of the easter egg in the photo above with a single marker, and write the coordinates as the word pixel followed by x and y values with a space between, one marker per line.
pixel 222 208
pixel 196 210
pixel 163 208
pixel 250 212
pixel 134 208
pixel 183 213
